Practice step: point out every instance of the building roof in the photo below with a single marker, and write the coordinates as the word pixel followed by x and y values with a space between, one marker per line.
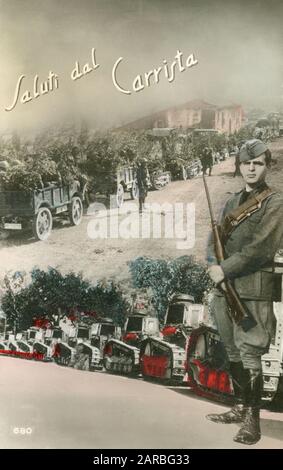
pixel 229 106
pixel 193 104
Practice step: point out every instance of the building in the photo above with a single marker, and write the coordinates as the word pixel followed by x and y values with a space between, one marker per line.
pixel 229 119
pixel 195 113
pixel 191 115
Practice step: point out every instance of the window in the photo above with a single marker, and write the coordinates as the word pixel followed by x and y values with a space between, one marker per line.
pixel 175 314
pixel 107 330
pixel 134 324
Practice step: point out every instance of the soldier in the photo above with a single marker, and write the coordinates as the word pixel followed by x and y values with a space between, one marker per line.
pixel 237 171
pixel 252 233
pixel 207 160
pixel 142 182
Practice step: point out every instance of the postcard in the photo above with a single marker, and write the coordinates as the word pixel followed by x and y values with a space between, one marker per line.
pixel 141 239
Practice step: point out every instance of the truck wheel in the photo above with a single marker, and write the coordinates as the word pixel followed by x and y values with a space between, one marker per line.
pixel 134 191
pixel 157 184
pixel 76 211
pixel 120 195
pixel 42 224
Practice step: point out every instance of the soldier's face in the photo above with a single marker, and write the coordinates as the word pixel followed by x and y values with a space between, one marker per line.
pixel 254 171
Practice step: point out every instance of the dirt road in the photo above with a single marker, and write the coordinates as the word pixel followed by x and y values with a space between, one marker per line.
pixel 70 248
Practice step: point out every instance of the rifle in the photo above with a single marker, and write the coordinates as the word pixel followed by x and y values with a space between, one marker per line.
pixel 238 310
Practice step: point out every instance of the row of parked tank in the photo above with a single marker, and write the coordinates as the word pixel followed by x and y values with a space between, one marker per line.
pixel 187 350
pixel 67 344
pixel 140 348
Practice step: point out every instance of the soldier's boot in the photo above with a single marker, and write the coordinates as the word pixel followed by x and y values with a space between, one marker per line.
pixel 250 432
pixel 237 412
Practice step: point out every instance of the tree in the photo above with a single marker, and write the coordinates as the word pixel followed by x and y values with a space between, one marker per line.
pixel 83 140
pixel 109 301
pixel 12 302
pixel 166 277
pixel 245 133
pixel 50 295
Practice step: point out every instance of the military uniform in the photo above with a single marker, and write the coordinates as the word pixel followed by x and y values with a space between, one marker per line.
pixel 250 251
pixel 250 242
pixel 141 176
pixel 206 160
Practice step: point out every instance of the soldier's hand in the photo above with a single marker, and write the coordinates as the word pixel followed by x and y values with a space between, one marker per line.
pixel 216 273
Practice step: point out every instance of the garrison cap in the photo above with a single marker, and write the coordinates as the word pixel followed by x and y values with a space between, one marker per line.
pixel 252 149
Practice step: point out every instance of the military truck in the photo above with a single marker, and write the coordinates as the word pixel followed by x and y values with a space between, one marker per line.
pixel 192 169
pixel 36 209
pixel 117 185
pixel 158 179
pixel 114 185
pixel 181 169
pixel 126 182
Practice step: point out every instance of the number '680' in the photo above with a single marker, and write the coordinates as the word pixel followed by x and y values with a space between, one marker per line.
pixel 22 431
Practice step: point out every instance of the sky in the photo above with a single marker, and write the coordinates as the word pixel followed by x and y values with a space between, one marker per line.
pixel 238 47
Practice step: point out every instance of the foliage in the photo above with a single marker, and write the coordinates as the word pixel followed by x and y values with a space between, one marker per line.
pixel 61 155
pixel 175 152
pixel 51 157
pixel 14 283
pixel 15 148
pixel 173 146
pixel 245 133
pixel 132 145
pixel 108 152
pixel 218 142
pixel 109 301
pixel 101 163
pixel 51 295
pixel 33 174
pixel 62 150
pixel 165 277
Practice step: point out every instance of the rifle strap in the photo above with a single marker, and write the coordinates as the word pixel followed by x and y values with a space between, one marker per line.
pixel 238 215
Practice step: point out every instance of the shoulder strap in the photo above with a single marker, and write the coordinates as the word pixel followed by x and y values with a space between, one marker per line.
pixel 236 216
